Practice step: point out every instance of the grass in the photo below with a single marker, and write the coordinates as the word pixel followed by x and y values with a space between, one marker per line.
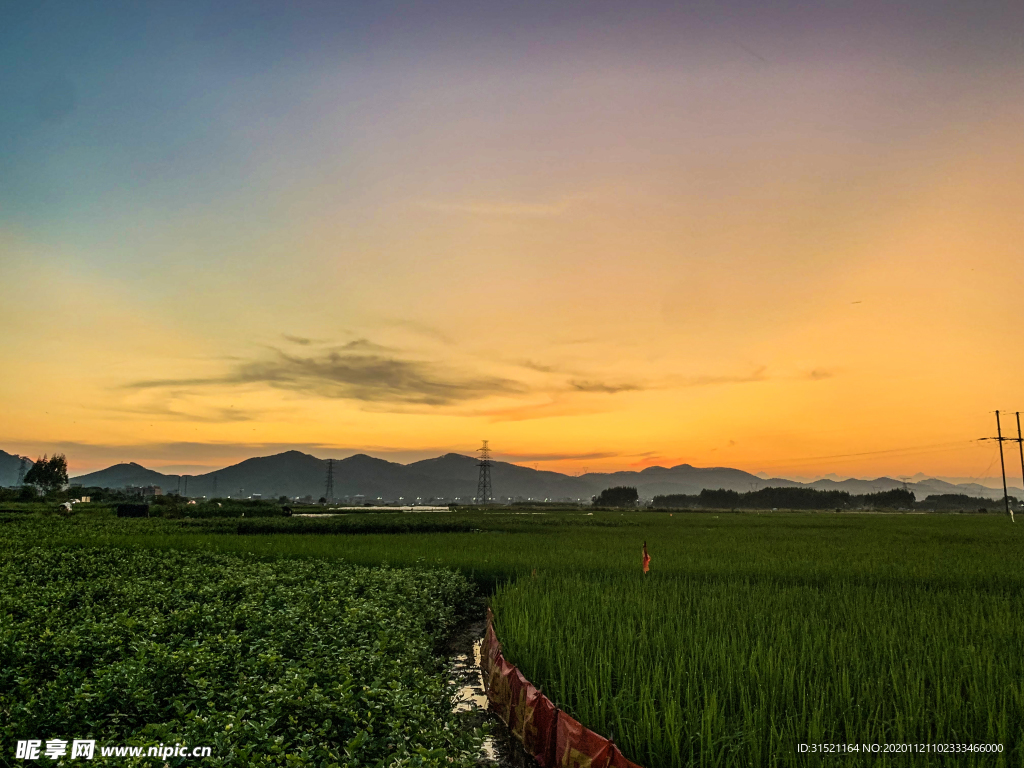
pixel 751 635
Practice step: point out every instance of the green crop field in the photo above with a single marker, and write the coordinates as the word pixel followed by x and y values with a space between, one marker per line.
pixel 751 635
pixel 283 662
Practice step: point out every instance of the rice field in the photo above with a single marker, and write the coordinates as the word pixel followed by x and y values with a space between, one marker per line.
pixel 689 671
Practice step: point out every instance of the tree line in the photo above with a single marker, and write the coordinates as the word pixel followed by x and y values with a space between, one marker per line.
pixel 811 498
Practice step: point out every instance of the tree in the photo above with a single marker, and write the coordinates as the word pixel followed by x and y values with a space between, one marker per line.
pixel 896 498
pixel 49 474
pixel 621 496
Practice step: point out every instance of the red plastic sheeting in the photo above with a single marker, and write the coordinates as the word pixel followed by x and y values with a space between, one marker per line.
pixel 499 691
pixel 619 760
pixel 489 652
pixel 532 720
pixel 579 747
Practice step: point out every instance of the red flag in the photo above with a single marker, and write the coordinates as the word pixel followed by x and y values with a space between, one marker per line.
pixel 647 559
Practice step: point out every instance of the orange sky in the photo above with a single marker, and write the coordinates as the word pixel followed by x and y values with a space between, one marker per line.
pixel 803 260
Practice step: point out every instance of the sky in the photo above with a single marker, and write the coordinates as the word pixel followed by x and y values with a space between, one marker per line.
pixel 783 237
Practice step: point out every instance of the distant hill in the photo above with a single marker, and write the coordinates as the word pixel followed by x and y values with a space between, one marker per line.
pixel 120 475
pixel 454 476
pixel 9 465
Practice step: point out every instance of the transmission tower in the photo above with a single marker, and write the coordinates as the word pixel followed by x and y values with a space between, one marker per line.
pixel 483 485
pixel 22 468
pixel 329 493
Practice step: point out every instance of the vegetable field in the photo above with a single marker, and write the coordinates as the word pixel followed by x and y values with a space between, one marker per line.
pixel 292 662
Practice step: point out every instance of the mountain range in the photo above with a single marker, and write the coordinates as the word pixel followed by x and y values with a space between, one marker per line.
pixel 454 476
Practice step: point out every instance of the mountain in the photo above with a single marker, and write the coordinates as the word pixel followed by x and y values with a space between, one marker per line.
pixel 121 475
pixel 9 467
pixel 454 476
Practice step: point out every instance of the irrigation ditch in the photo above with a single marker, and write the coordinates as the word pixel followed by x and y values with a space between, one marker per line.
pixel 528 729
pixel 464 647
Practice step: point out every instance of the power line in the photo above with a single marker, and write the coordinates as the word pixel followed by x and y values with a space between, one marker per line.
pixel 908 450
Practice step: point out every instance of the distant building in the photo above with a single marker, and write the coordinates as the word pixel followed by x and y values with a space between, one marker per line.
pixel 145 491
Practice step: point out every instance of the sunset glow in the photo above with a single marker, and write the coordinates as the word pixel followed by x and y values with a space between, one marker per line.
pixel 608 236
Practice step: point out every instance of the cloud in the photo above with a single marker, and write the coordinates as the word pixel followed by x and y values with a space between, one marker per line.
pixel 163 410
pixel 364 345
pixel 598 386
pixel 760 374
pixel 297 340
pixel 351 375
pixel 539 367
pixel 514 457
pixel 819 373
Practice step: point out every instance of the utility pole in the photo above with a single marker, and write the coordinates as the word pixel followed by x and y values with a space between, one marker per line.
pixel 186 485
pixel 999 438
pixel 1020 446
pixel 1006 496
pixel 483 485
pixel 329 493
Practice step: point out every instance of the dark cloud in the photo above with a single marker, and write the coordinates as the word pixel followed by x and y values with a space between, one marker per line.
pixel 297 340
pixel 344 374
pixel 600 386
